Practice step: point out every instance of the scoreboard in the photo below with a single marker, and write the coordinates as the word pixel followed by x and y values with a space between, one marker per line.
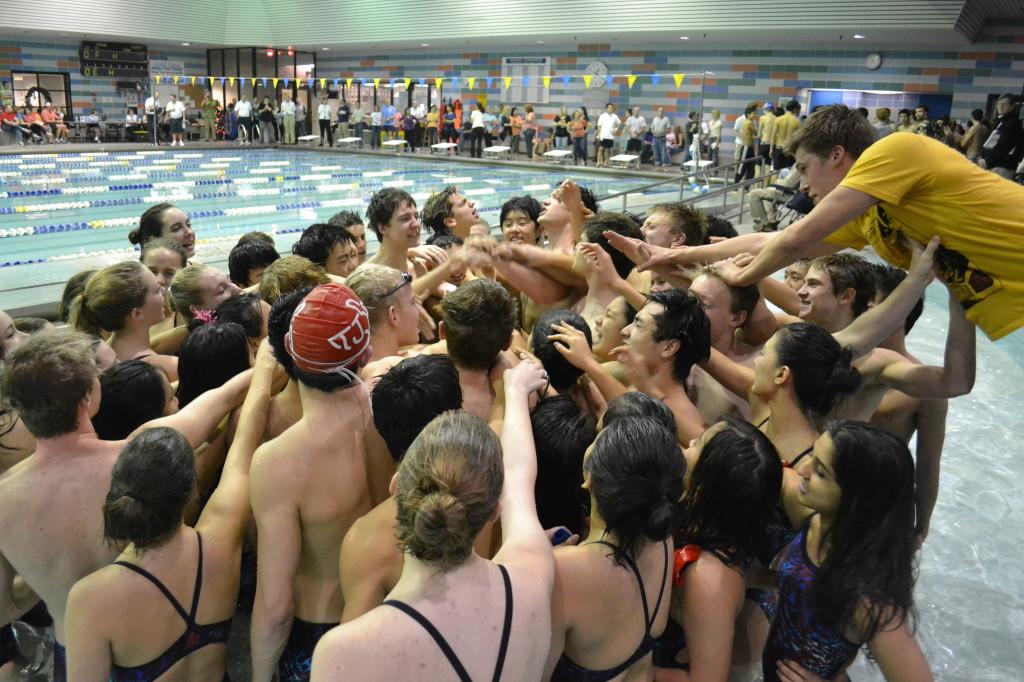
pixel 114 60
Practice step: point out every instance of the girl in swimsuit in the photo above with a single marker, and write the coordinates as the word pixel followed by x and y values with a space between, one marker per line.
pixel 454 613
pixel 165 221
pixel 182 635
pixel 200 288
pixel 124 300
pixel 164 258
pixel 847 578
pixel 635 477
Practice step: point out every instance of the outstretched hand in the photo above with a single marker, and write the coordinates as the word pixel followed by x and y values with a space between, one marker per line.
pixel 528 376
pixel 922 257
pixel 597 262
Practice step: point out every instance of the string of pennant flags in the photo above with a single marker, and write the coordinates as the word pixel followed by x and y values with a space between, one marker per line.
pixel 470 81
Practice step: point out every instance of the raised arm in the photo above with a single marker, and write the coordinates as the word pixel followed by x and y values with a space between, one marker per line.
pixel 649 257
pixel 931 435
pixel 572 344
pixel 200 417
pixel 732 375
pixel 538 286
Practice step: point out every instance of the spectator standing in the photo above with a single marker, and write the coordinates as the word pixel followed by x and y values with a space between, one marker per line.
pixel 636 126
pixel 608 125
pixel 517 129
pixel 883 126
pixel 530 130
pixel 288 111
pixel 746 132
pixel 922 120
pixel 210 107
pixel 785 126
pixel 266 116
pixel 476 132
pixel 506 123
pixel 152 109
pixel 176 114
pixel 562 121
pixel 344 114
pixel 244 112
pixel 300 118
pixel 767 133
pixel 578 128
pixel 376 127
pixel 660 126
pixel 387 114
pixel 715 135
pixel 323 115
pixel 976 135
pixel 410 126
pixel 906 124
pixel 357 121
pixel 692 135
pixel 1002 151
pixel 433 120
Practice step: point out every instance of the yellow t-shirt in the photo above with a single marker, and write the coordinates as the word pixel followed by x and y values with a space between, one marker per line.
pixel 747 132
pixel 785 126
pixel 767 125
pixel 928 189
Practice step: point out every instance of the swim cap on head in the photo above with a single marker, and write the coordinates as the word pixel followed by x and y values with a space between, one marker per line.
pixel 329 331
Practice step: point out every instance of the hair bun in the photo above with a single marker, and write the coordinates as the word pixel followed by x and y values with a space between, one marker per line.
pixel 133 236
pixel 662 520
pixel 441 527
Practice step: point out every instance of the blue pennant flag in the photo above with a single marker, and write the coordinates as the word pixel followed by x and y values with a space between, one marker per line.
pixel 565 81
pixel 286 82
pixel 526 81
pixel 655 78
pixel 222 79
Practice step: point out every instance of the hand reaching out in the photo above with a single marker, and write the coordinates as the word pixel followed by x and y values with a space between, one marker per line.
pixel 573 346
pixel 528 376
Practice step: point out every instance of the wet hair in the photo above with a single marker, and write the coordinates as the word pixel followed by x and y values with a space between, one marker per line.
pixel 638 404
pixel 445 240
pixel 370 283
pixel 438 209
pixel 589 200
pixel 151 224
pixel 741 299
pixel 345 219
pixel 561 433
pixel 905 112
pixel 685 321
pixel 318 240
pixel 869 569
pixel 734 488
pixel 245 310
pixel 410 395
pixel 132 394
pixel 31 325
pixel 619 223
pixel 718 226
pixel 794 106
pixel 831 126
pixel 822 373
pixel 108 298
pixel 863 111
pixel 162 243
pixel 887 278
pixel 526 205
pixel 383 205
pixel 256 236
pixel 46 378
pixel 74 287
pixel 448 486
pixel 636 477
pixel 561 373
pixel 152 481
pixel 478 318
pixel 250 255
pixel 289 274
pixel 278 323
pixel 849 271
pixel 210 356
pixel 686 220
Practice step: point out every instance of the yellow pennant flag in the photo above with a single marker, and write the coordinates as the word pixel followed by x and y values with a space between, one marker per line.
pixel 407 81
pixel 274 81
pixel 471 82
pixel 323 82
pixel 348 82
pixel 631 79
pixel 547 81
pixel 438 82
pixel 156 79
pixel 231 80
pixel 508 82
pixel 376 82
pixel 679 79
pixel 586 80
pixel 210 78
pixel 176 79
pixel 193 79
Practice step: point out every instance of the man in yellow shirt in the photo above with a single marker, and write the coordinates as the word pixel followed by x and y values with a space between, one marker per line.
pixel 785 126
pixel 767 131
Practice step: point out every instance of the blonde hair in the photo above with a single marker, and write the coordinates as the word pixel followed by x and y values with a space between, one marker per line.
pixel 108 298
pixel 448 486
pixel 371 282
pixel 187 289
pixel 289 274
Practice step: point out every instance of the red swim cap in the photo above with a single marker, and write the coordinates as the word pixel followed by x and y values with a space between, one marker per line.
pixel 329 331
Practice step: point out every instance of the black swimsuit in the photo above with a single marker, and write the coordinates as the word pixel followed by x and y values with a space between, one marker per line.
pixel 460 670
pixel 796 460
pixel 195 637
pixel 569 670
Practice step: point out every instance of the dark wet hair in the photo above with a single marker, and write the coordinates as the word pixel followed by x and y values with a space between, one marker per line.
pixel 438 209
pixel 589 200
pixel 822 373
pixel 345 219
pixel 152 481
pixel 210 355
pixel 561 373
pixel 164 243
pixel 685 321
pixel 849 271
pixel 478 318
pixel 150 224
pixel 256 236
pixel 72 289
pixel 734 487
pixel 561 433
pixel 445 240
pixel 638 404
pixel 319 239
pixel 410 395
pixel 132 394
pixel 619 223
pixel 636 475
pixel 526 205
pixel 887 278
pixel 245 310
pixel 718 226
pixel 278 323
pixel 686 219
pixel 869 569
pixel 246 256
pixel 383 205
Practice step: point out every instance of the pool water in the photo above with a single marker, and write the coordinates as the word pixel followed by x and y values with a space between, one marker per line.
pixel 62 213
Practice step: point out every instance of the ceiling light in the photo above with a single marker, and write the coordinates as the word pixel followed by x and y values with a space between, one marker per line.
pixel 540 42
pixel 186 44
pixel 270 53
pixel 858 36
pixel 684 37
pixel 325 48
pixel 424 44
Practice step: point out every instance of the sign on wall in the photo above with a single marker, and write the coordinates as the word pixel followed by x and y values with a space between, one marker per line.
pixel 527 84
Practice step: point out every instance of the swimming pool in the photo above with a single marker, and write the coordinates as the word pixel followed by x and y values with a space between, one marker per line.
pixel 62 213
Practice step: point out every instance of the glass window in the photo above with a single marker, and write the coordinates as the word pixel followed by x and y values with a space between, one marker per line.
pixel 51 81
pixel 306 65
pixel 266 67
pixel 245 63
pixel 216 61
pixel 230 63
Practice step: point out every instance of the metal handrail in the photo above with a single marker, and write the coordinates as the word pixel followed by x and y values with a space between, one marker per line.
pixel 758 160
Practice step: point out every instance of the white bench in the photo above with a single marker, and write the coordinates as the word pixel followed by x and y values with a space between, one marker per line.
pixel 308 140
pixel 443 147
pixel 397 145
pixel 498 152
pixel 563 156
pixel 625 161
pixel 693 164
pixel 350 142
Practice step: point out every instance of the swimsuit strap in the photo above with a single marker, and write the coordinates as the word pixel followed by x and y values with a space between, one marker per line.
pixel 433 632
pixel 763 422
pixel 661 590
pixel 639 578
pixel 189 618
pixel 796 460
pixel 506 630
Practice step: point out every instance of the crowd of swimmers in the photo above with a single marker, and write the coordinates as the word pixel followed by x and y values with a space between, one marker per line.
pixel 586 450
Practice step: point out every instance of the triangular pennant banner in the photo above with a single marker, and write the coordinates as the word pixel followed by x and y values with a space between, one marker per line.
pixel 423 82
pixel 678 79
pixel 508 82
pixel 565 81
pixel 471 82
pixel 241 82
pixel 176 79
pixel 489 81
pixel 285 82
pixel 631 79
pixel 376 82
pixel 231 80
pixel 265 82
pixel 526 81
pixel 156 79
pixel 336 82
pixel 222 79
pixel 193 79
pixel 274 81
pixel 309 82
pixel 586 80
pixel 407 81
pixel 323 83
pixel 348 82
pixel 547 81
pixel 438 82
pixel 210 78
pixel 655 78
